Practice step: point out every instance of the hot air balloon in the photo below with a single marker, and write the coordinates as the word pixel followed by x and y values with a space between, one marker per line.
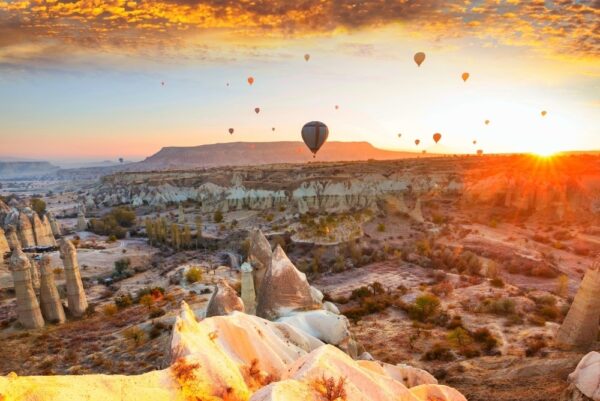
pixel 399 135
pixel 162 83
pixel 314 135
pixel 250 80
pixel 419 58
pixel 231 130
pixel 121 160
pixel 307 57
pixel 417 142
pixel 257 110
pixel 273 129
pixel 474 142
pixel 437 136
pixel 487 122
pixel 544 112
pixel 337 107
pixel 465 76
pixel 227 83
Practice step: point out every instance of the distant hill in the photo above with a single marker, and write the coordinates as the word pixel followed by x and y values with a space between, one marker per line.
pixel 11 170
pixel 254 153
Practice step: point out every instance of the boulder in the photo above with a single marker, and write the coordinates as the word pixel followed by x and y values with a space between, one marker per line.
pixel 224 301
pixel 586 377
pixel 284 289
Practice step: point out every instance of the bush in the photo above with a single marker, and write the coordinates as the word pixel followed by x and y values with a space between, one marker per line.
pixel 497 282
pixel 123 301
pixel 147 301
pixel 193 274
pixel 425 307
pixel 444 288
pixel 438 352
pixel 381 227
pixel 38 206
pixel 485 337
pixel 136 335
pixel 156 312
pixel 501 306
pixel 218 216
pixel 115 223
pixel 109 309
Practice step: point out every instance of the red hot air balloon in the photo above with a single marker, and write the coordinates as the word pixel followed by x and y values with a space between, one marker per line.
pixel 231 130
pixel 314 135
pixel 437 136
pixel 417 142
pixel 419 58
pixel 250 80
pixel 337 107
pixel 257 110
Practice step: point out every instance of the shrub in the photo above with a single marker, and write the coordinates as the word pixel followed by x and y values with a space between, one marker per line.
pixel 438 352
pixel 485 337
pixel 38 206
pixel 156 312
pixel 460 337
pixel 497 282
pixel 136 335
pixel 123 301
pixel 109 309
pixel 147 301
pixel 444 288
pixel 381 227
pixel 425 307
pixel 193 274
pixel 115 223
pixel 501 306
pixel 218 216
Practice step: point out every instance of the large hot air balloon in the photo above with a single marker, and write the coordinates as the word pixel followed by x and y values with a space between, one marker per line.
pixel 257 110
pixel 250 80
pixel 231 130
pixel 314 135
pixel 487 122
pixel 419 58
pixel 544 112
pixel 417 142
pixel 307 57
pixel 437 136
pixel 465 76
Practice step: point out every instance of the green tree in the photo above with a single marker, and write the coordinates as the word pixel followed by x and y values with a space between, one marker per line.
pixel 218 216
pixel 39 206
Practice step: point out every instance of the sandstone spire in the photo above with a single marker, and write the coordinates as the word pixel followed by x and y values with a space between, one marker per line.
pixel 54 225
pixel 12 238
pixel 248 291
pixel 52 308
pixel 28 309
pixel 25 231
pixel 33 270
pixel 42 231
pixel 4 247
pixel 81 222
pixel 284 289
pixel 180 215
pixel 580 327
pixel 259 256
pixel 417 214
pixel 75 294
pixel 224 301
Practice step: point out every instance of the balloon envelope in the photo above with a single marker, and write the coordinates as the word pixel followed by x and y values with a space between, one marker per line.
pixel 314 135
pixel 436 137
pixel 307 57
pixel 474 142
pixel 257 110
pixel 544 113
pixel 465 76
pixel 487 122
pixel 273 129
pixel 399 135
pixel 337 107
pixel 419 58
pixel 231 130
pixel 250 80
pixel 417 142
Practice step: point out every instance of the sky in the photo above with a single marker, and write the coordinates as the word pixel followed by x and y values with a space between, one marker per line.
pixel 83 79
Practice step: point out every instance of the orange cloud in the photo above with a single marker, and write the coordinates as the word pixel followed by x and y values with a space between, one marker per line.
pixel 563 27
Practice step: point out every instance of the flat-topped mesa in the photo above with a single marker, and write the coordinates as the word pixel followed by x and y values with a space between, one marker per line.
pixel 54 225
pixel 259 256
pixel 81 221
pixel 52 307
pixel 28 308
pixel 42 231
pixel 224 301
pixel 580 328
pixel 25 231
pixel 12 238
pixel 284 289
pixel 75 293
pixel 248 291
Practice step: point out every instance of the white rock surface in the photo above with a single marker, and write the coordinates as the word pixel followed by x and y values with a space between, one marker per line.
pixel 586 376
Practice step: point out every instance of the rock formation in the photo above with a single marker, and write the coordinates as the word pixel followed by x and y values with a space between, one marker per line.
pixel 34 272
pixel 580 327
pixel 50 303
pixel 54 225
pixel 42 231
pixel 224 301
pixel 416 213
pixel 284 289
pixel 25 231
pixel 248 291
pixel 234 357
pixel 28 309
pixel 180 215
pixel 586 377
pixel 81 222
pixel 75 294
pixel 11 238
pixel 4 247
pixel 259 256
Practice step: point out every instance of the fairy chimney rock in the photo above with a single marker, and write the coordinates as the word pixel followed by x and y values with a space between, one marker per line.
pixel 52 308
pixel 580 328
pixel 28 308
pixel 259 256
pixel 224 301
pixel 12 238
pixel 248 291
pixel 75 294
pixel 25 231
pixel 54 225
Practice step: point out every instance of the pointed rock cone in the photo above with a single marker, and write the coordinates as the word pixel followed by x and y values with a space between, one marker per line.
pixel 54 226
pixel 4 247
pixel 224 301
pixel 52 308
pixel 75 292
pixel 284 289
pixel 12 238
pixel 417 214
pixel 25 231
pixel 28 308
pixel 248 292
pixel 259 256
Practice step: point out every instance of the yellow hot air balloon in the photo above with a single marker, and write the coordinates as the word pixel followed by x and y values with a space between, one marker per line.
pixel 465 76
pixel 437 136
pixel 419 58
pixel 257 110
pixel 307 57
pixel 487 122
pixel 417 142
pixel 231 130
pixel 544 112
pixel 250 80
